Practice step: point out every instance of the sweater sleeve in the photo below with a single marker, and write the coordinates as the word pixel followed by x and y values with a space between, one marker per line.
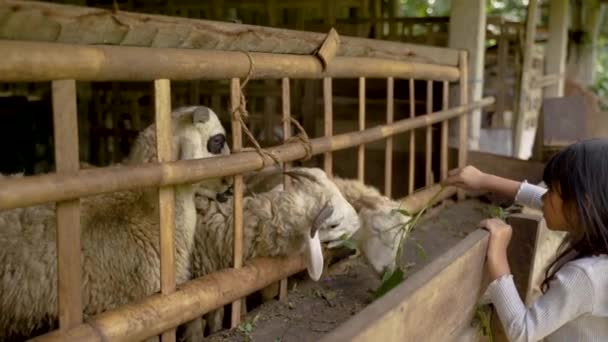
pixel 530 195
pixel 570 295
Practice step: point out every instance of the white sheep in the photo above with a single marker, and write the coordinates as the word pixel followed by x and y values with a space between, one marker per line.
pixel 276 223
pixel 120 238
pixel 380 222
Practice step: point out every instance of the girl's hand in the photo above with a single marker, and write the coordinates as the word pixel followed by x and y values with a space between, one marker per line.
pixel 500 236
pixel 468 178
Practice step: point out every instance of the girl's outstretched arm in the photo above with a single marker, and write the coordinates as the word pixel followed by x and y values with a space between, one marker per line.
pixel 470 178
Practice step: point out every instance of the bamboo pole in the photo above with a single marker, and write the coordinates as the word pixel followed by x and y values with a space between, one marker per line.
pixel 72 24
pixel 166 194
pixel 412 166
pixel 463 143
pixel 237 143
pixel 34 61
pixel 65 124
pixel 150 316
pixel 286 135
pixel 361 148
pixel 428 170
pixel 445 104
pixel 388 155
pixel 328 123
pixel 21 192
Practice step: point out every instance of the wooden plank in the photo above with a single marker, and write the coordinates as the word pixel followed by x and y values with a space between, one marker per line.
pixel 166 195
pixel 388 155
pixel 136 29
pixel 286 97
pixel 444 133
pixel 463 145
pixel 328 122
pixel 428 170
pixel 65 124
pixel 412 166
pixel 361 148
pixel 403 313
pixel 237 144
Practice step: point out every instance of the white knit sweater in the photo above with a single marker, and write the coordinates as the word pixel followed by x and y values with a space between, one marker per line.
pixel 575 308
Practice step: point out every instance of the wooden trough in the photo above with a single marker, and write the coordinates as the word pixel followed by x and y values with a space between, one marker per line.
pixel 63 64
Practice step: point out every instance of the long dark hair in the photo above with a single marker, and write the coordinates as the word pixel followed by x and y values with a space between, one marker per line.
pixel 579 173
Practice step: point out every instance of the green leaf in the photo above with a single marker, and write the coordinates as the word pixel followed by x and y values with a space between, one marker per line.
pixel 400 211
pixel 391 281
pixel 421 252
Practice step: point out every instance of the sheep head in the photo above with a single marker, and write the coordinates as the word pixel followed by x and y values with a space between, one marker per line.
pixel 336 217
pixel 379 234
pixel 197 134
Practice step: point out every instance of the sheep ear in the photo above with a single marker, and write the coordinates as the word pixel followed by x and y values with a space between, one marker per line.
pixel 201 115
pixel 314 257
pixel 323 215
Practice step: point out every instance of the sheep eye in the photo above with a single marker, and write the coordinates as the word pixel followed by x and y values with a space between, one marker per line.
pixel 334 226
pixel 215 144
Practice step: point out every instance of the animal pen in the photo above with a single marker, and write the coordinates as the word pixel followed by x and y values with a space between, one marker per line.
pixel 64 64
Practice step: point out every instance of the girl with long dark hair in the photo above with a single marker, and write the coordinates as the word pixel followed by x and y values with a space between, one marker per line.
pixel 574 304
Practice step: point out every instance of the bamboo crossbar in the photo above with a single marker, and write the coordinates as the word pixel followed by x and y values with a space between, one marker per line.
pixel 33 61
pixel 21 192
pixel 155 314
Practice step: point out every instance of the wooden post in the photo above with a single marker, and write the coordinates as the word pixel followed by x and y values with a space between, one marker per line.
pixel 237 143
pixel 361 148
pixel 65 122
pixel 429 135
pixel 467 31
pixel 166 195
pixel 412 166
pixel 286 135
pixel 327 100
pixel 463 120
pixel 555 62
pixel 444 133
pixel 503 61
pixel 270 104
pixel 523 117
pixel 388 156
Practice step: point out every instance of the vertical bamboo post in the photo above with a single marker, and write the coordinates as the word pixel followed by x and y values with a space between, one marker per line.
pixel 361 148
pixel 388 156
pixel 412 165
pixel 286 135
pixel 65 124
pixel 464 119
pixel 444 133
pixel 237 144
pixel 166 195
pixel 428 170
pixel 327 100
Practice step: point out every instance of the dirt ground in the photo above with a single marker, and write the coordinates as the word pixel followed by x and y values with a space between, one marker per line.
pixel 314 309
